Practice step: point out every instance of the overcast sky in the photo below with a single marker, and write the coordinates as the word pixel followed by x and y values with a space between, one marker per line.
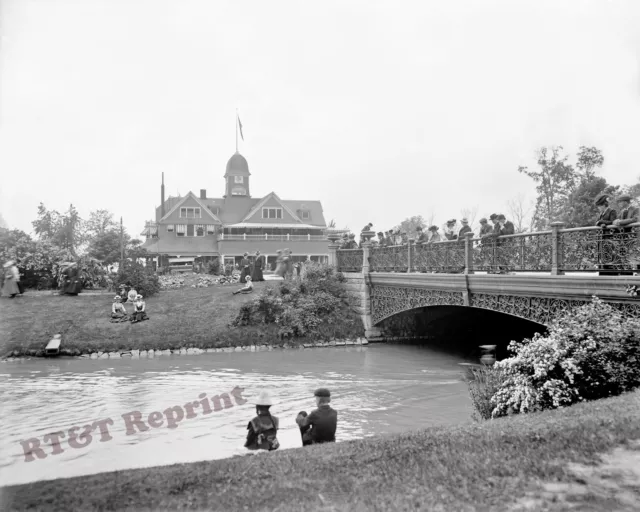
pixel 381 110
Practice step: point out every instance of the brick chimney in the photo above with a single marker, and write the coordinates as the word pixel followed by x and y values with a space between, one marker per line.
pixel 203 193
pixel 162 198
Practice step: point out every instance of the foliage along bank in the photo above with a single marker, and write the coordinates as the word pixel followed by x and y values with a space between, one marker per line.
pixel 587 354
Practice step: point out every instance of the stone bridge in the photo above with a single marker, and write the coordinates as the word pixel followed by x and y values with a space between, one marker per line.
pixel 534 276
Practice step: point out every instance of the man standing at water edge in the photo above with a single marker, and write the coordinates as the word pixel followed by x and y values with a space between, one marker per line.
pixel 323 421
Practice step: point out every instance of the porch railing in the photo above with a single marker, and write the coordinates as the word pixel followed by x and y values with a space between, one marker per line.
pixel 589 249
pixel 276 238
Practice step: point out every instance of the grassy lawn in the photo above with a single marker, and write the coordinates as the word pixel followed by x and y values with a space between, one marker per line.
pixel 184 317
pixel 488 466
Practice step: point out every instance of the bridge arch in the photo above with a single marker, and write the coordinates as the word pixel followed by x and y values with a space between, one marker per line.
pixel 459 328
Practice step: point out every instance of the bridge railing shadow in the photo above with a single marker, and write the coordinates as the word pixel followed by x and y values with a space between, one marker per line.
pixel 590 249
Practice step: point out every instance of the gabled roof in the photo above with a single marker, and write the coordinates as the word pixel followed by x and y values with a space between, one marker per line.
pixel 192 195
pixel 264 200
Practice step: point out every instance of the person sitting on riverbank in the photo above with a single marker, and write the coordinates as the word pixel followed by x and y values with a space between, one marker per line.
pixel 139 313
pixel 118 311
pixel 323 421
pixel 248 287
pixel 263 428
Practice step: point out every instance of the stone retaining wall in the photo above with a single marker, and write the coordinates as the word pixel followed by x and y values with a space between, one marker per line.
pixel 187 351
pixel 355 287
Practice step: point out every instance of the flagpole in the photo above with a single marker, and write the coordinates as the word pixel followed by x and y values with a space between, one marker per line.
pixel 236 130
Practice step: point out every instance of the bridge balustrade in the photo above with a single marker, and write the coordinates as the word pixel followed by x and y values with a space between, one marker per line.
pixel 589 249
pixel 350 260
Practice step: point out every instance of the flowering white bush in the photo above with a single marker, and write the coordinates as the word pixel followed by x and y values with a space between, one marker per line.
pixel 589 353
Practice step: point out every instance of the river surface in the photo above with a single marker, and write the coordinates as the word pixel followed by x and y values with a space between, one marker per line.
pixel 376 389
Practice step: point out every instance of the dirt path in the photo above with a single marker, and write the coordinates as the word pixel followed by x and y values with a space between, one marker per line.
pixel 611 485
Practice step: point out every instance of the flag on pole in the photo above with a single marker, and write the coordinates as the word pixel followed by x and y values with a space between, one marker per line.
pixel 240 126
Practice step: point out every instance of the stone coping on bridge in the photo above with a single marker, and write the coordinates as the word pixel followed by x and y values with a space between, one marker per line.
pixel 542 285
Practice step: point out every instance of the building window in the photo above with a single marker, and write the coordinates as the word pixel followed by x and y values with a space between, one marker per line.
pixel 238 179
pixel 272 213
pixel 304 214
pixel 191 230
pixel 238 191
pixel 191 213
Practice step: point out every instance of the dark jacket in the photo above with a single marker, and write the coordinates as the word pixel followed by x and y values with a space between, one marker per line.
pixel 607 217
pixel 262 433
pixel 324 423
pixel 629 216
pixel 507 229
pixel 463 230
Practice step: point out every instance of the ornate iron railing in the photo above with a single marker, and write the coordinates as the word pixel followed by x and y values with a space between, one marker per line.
pixel 525 252
pixel 591 249
pixel 445 256
pixel 393 258
pixel 350 260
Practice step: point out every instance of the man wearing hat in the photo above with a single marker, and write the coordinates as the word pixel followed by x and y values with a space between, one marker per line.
pixel 485 227
pixel 464 229
pixel 263 428
pixel 628 214
pixel 605 218
pixel 351 244
pixel 323 421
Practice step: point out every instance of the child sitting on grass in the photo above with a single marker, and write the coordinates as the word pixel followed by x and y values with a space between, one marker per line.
pixel 139 313
pixel 248 288
pixel 118 311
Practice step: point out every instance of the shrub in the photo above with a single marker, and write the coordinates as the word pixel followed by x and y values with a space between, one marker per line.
pixel 214 267
pixel 228 269
pixel 142 278
pixel 484 382
pixel 299 308
pixel 589 353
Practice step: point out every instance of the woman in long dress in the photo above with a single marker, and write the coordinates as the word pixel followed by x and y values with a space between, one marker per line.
pixel 258 265
pixel 11 278
pixel 287 261
pixel 72 284
pixel 244 267
pixel 280 264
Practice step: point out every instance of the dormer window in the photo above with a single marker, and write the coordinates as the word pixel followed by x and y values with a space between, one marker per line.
pixel 238 179
pixel 305 214
pixel 191 213
pixel 272 213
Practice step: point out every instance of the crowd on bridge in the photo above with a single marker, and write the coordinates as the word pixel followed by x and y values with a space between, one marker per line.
pixel 450 231
pixel 496 225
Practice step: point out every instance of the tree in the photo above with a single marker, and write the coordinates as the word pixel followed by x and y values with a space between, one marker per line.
pixel 581 210
pixel 100 221
pixel 63 230
pixel 588 160
pixel 520 213
pixel 106 246
pixel 3 223
pixel 555 180
pixel 410 224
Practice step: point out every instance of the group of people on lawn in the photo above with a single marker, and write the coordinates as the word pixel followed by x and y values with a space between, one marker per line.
pixel 120 314
pixel 252 267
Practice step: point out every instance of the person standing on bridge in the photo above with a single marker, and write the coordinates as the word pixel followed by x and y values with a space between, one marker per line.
pixel 323 421
pixel 605 254
pixel 464 229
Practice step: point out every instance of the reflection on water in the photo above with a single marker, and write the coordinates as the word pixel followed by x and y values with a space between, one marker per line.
pixel 379 389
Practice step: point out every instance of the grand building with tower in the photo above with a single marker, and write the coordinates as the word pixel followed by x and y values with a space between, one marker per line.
pixel 195 229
